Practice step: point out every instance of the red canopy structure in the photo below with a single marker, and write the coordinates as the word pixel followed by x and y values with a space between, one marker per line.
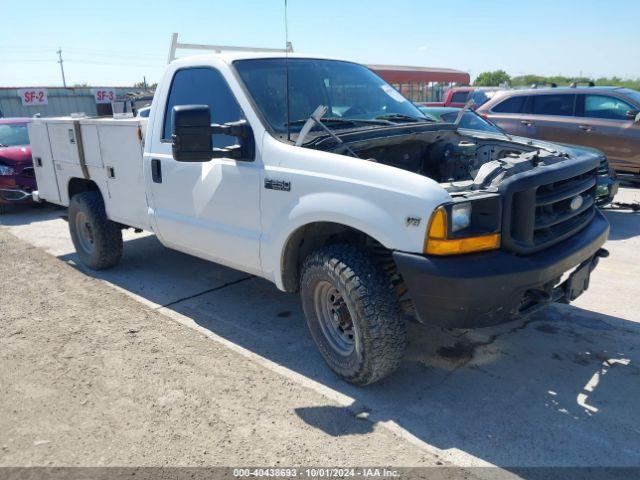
pixel 404 74
pixel 421 84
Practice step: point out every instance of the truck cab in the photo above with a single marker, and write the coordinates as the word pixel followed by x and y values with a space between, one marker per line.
pixel 317 175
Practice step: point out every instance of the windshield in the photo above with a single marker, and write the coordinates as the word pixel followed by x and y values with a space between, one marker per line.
pixel 348 90
pixel 471 121
pixel 13 134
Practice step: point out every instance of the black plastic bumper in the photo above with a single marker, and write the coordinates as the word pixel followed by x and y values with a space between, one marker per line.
pixel 483 289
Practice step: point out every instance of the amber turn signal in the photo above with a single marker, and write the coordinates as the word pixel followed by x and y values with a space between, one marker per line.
pixel 437 243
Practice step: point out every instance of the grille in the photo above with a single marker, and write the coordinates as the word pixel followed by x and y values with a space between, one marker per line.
pixel 538 216
pixel 554 215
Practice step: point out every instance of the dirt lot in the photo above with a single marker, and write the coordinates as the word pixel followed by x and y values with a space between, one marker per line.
pixel 89 376
pixel 167 359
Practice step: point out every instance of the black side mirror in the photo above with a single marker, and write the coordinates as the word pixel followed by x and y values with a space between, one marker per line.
pixel 191 136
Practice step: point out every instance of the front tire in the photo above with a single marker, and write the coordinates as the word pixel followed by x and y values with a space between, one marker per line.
pixel 98 240
pixel 353 313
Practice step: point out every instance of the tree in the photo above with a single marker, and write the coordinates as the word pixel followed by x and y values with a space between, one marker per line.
pixel 149 86
pixel 492 79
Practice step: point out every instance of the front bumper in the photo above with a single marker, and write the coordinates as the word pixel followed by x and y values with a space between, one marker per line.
pixel 14 195
pixel 16 189
pixel 483 289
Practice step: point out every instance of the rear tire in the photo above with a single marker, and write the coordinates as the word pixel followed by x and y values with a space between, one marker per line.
pixel 98 240
pixel 353 313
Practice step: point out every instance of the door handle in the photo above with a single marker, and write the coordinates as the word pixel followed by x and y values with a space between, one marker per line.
pixel 156 170
pixel 528 123
pixel 586 128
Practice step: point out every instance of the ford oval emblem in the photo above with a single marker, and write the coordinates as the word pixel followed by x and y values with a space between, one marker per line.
pixel 576 203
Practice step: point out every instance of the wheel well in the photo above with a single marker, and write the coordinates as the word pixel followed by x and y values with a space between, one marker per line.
pixel 79 185
pixel 311 237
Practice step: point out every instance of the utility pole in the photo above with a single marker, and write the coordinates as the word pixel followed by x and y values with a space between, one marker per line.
pixel 64 81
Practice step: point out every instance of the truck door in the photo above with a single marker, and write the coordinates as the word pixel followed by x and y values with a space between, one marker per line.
pixel 208 209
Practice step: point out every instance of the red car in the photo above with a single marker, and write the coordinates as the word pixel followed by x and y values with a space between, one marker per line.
pixel 17 178
pixel 458 96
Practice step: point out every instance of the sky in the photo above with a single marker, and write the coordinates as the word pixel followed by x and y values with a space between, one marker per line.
pixel 117 42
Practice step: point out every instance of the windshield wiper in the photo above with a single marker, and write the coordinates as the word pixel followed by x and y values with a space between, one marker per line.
pixel 402 117
pixel 344 121
pixel 316 118
pixel 323 120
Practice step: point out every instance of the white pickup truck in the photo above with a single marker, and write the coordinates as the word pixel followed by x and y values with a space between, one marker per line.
pixel 317 175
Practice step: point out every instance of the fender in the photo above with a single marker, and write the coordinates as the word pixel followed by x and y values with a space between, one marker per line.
pixel 385 225
pixel 373 198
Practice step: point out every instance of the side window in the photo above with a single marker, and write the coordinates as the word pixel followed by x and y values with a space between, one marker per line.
pixel 203 86
pixel 603 106
pixel 459 97
pixel 510 105
pixel 552 104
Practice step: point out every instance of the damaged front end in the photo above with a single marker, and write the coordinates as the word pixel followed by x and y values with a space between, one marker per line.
pixel 528 207
pixel 541 194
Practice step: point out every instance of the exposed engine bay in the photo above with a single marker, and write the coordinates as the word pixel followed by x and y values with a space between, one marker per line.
pixel 459 162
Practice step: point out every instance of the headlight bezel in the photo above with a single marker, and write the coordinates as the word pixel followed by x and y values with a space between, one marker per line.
pixel 460 216
pixel 449 233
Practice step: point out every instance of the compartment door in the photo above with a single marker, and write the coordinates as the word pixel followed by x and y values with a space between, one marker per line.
pixel 43 162
pixel 121 148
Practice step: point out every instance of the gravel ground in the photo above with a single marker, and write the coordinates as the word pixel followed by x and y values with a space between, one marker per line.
pixel 90 377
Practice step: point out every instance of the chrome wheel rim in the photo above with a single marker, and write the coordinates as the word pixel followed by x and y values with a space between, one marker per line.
pixel 334 318
pixel 84 232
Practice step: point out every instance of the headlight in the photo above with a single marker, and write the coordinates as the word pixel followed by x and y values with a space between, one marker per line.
pixel 465 227
pixel 6 170
pixel 460 216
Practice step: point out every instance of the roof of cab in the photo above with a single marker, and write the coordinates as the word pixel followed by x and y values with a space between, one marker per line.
pixel 230 57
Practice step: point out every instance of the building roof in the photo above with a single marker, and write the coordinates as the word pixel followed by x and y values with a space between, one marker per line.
pixel 408 74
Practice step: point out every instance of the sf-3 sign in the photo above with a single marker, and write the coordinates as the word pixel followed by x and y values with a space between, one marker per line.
pixel 33 96
pixel 104 95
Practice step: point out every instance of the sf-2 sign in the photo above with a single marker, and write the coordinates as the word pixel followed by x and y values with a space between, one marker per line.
pixel 104 95
pixel 33 96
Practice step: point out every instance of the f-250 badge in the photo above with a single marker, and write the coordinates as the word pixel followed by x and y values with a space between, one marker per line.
pixel 282 185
